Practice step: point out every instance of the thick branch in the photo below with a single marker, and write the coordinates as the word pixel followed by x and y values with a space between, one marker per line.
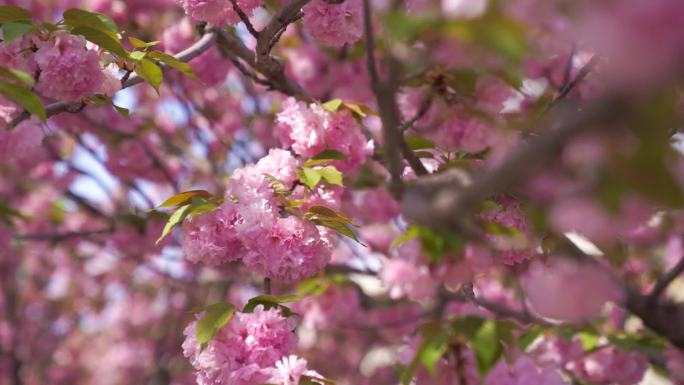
pixel 385 96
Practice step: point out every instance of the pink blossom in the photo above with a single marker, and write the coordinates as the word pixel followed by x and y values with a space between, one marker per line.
pixel 289 370
pixel 611 366
pixel 21 142
pixel 556 351
pixel 523 371
pixel 462 133
pixel 68 71
pixel 243 351
pixel 309 130
pixel 568 290
pixel 378 205
pixel 334 24
pixel 289 249
pixel 211 237
pixel 336 305
pixel 279 164
pixel 217 11
pixel 302 127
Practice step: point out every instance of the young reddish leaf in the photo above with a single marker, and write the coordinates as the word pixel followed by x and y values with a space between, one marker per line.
pixel 184 198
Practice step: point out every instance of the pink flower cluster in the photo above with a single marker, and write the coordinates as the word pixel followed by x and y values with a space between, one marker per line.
pixel 217 11
pixel 245 351
pixel 611 366
pixel 334 24
pixel 249 225
pixel 70 71
pixel 310 129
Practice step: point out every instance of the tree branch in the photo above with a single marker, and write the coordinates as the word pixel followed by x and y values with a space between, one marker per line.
pixel 665 280
pixel 188 54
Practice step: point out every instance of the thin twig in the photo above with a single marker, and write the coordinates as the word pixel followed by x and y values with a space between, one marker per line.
pixel 245 19
pixel 190 53
pixel 665 280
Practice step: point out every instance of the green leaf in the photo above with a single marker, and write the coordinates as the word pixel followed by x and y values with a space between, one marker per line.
pixel 313 286
pixel 333 105
pixel 324 157
pixel 269 301
pixel 150 72
pixel 331 175
pixel 175 219
pixel 122 110
pixel 340 227
pixel 137 43
pixel 12 31
pixel 309 176
pixel 20 76
pixel 12 13
pixel 174 63
pixel 418 143
pixel 200 206
pixel 102 39
pixel 215 317
pixel 278 187
pixel 486 345
pixel 589 340
pixel 184 198
pixel 528 337
pixel 24 97
pixel 137 55
pixel 78 17
pixel 435 343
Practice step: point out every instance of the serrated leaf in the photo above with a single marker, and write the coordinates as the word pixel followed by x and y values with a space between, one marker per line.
pixel 528 337
pixel 102 39
pixel 340 227
pixel 333 105
pixel 24 97
pixel 12 13
pixel 20 76
pixel 201 206
pixel 175 219
pixel 309 177
pixel 269 301
pixel 418 143
pixel 137 55
pixel 313 286
pixel 216 316
pixel 486 345
pixel 331 175
pixel 184 198
pixel 150 72
pixel 174 63
pixel 137 43
pixel 12 31
pixel 588 340
pixel 324 157
pixel 122 110
pixel 278 187
pixel 80 18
